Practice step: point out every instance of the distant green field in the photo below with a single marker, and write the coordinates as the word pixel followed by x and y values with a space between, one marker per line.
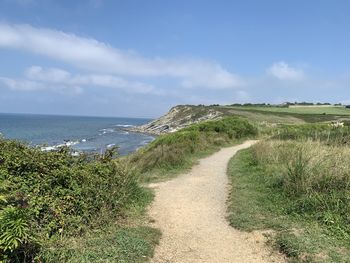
pixel 333 110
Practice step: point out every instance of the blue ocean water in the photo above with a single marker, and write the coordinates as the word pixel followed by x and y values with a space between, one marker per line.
pixel 89 134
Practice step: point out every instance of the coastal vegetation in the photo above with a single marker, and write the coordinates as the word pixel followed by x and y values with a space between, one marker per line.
pixel 58 208
pixel 297 184
pixel 55 207
pixel 48 198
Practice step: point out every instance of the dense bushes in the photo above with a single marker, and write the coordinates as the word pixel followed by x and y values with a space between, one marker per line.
pixel 173 150
pixel 315 177
pixel 231 126
pixel 50 194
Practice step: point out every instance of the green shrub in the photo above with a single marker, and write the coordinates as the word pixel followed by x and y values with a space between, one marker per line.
pixel 47 194
pixel 233 127
pixel 16 241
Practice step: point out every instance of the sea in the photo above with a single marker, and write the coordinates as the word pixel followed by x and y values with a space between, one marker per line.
pixel 82 134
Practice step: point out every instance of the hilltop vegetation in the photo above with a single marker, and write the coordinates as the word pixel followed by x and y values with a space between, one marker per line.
pixel 182 116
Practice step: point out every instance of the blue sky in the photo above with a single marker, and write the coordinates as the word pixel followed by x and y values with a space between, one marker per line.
pixel 138 58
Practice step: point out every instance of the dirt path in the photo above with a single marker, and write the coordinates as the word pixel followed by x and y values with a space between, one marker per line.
pixel 190 210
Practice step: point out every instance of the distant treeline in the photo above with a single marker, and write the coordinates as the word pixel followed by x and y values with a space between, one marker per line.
pixel 285 104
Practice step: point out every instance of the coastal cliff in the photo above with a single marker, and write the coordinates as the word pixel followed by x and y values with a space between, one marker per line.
pixel 177 118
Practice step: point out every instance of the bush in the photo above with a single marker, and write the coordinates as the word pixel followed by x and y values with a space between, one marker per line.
pixel 233 127
pixel 48 194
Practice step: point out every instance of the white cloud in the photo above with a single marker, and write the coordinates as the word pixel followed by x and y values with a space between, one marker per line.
pixel 30 85
pixel 53 75
pixel 24 85
pixel 283 71
pixel 212 76
pixel 38 78
pixel 90 54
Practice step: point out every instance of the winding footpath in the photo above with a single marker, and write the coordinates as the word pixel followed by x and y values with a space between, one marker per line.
pixel 191 211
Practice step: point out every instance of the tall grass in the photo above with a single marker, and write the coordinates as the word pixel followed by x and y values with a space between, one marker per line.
pixel 314 176
pixel 317 132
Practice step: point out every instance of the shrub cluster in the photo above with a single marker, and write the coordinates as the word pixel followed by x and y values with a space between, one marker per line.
pixel 50 194
pixel 233 127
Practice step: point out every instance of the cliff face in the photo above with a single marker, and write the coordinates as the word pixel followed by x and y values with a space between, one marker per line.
pixel 177 118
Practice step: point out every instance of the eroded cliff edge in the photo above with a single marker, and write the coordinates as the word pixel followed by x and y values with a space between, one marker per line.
pixel 177 118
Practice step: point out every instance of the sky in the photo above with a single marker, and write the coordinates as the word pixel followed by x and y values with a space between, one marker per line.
pixel 133 58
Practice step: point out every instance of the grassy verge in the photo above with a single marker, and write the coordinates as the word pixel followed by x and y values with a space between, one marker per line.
pixel 309 216
pixel 111 244
pixel 128 239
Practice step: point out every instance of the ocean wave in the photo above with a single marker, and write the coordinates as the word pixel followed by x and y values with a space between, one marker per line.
pixel 76 153
pixel 124 125
pixel 107 130
pixel 110 145
pixel 56 147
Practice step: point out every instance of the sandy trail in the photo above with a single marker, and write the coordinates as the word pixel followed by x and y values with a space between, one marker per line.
pixel 190 210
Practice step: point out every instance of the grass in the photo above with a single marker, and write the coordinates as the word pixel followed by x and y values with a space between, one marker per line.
pixel 110 244
pixel 264 116
pixel 331 110
pixel 281 115
pixel 304 201
pixel 323 132
pixel 127 239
